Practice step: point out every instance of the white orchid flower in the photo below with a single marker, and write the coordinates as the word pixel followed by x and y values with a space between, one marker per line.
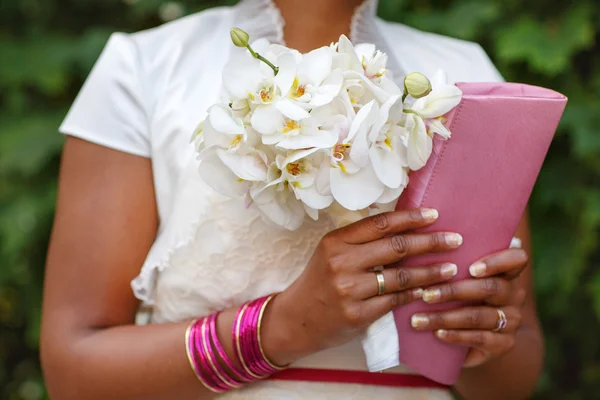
pixel 221 128
pixel 309 80
pixel 291 189
pixel 232 173
pixel 373 61
pixel 425 118
pixel 443 98
pixel 353 183
pixel 291 127
pixel 388 151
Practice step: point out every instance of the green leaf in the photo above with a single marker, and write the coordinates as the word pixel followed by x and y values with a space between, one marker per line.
pixel 547 46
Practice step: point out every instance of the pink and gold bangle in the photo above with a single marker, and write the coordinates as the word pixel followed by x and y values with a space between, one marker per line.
pixel 191 355
pixel 239 375
pixel 259 325
pixel 206 353
pixel 211 357
pixel 202 361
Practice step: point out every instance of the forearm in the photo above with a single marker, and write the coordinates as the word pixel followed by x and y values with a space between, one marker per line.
pixel 139 362
pixel 510 377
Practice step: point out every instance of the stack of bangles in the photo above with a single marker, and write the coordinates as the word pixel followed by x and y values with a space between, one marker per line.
pixel 207 355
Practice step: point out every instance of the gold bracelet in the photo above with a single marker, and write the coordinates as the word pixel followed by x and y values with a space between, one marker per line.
pixel 188 352
pixel 260 316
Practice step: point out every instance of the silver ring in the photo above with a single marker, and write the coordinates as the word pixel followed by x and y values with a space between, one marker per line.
pixel 380 283
pixel 502 321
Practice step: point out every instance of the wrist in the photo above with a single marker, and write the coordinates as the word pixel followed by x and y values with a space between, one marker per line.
pixel 282 334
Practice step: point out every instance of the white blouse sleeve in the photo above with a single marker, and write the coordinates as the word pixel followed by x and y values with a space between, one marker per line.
pixel 109 109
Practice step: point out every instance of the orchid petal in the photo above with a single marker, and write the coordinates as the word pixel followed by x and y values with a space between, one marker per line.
pixel 221 119
pixel 291 110
pixel 287 72
pixel 316 65
pixel 355 191
pixel 323 139
pixel 241 75
pixel 311 197
pixel 387 165
pixel 220 178
pixel 281 208
pixel 345 46
pixel 438 102
pixel 437 126
pixel 391 195
pixel 328 89
pixel 267 119
pixel 420 145
pixel 249 167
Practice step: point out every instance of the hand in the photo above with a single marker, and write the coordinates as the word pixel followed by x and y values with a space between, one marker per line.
pixel 336 297
pixel 495 285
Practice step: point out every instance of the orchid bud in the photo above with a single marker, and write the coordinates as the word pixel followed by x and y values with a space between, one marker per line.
pixel 417 85
pixel 239 37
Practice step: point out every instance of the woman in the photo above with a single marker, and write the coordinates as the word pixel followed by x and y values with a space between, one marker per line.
pixel 130 196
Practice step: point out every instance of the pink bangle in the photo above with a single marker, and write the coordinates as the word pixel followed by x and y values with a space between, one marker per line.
pixel 239 375
pixel 193 359
pixel 205 351
pixel 207 341
pixel 203 364
pixel 248 340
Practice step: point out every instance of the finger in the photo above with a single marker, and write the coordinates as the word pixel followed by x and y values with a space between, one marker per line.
pixel 478 318
pixel 492 342
pixel 392 249
pixel 381 225
pixel 376 307
pixel 509 263
pixel 494 291
pixel 402 278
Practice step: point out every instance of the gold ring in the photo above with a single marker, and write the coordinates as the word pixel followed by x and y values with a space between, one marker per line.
pixel 502 321
pixel 380 283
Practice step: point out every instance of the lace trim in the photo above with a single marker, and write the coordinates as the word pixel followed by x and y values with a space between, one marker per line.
pixel 261 19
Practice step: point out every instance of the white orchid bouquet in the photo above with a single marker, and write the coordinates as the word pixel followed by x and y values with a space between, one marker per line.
pixel 327 130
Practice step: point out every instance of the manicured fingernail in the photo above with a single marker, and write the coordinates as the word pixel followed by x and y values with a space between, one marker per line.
pixel 430 214
pixel 419 321
pixel 449 270
pixel 441 333
pixel 431 295
pixel 477 269
pixel 453 239
pixel 417 293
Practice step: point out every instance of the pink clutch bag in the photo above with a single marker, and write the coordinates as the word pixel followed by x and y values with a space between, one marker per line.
pixel 480 181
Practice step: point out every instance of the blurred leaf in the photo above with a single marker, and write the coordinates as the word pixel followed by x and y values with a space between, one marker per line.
pixel 547 46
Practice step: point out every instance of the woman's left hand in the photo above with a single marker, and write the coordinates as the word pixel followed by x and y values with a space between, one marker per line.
pixel 497 286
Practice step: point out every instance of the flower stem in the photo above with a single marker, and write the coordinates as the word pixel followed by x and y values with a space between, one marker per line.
pixel 261 58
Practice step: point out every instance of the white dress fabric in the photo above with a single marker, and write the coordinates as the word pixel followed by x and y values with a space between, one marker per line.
pixel 145 96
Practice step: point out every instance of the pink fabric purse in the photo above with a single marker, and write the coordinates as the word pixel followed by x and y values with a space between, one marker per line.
pixel 480 181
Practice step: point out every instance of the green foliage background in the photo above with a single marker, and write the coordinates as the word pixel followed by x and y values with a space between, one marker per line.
pixel 47 47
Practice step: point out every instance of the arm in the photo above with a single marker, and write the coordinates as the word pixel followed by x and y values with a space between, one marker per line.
pixel 106 222
pixel 513 375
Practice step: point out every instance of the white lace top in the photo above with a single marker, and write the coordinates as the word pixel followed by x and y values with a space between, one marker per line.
pixel 145 95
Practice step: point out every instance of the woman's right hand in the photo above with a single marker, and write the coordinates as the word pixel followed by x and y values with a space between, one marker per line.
pixel 336 297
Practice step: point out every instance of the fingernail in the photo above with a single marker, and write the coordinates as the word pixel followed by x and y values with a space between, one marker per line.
pixel 453 239
pixel 441 333
pixel 431 295
pixel 417 293
pixel 477 269
pixel 430 214
pixel 419 321
pixel 449 270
